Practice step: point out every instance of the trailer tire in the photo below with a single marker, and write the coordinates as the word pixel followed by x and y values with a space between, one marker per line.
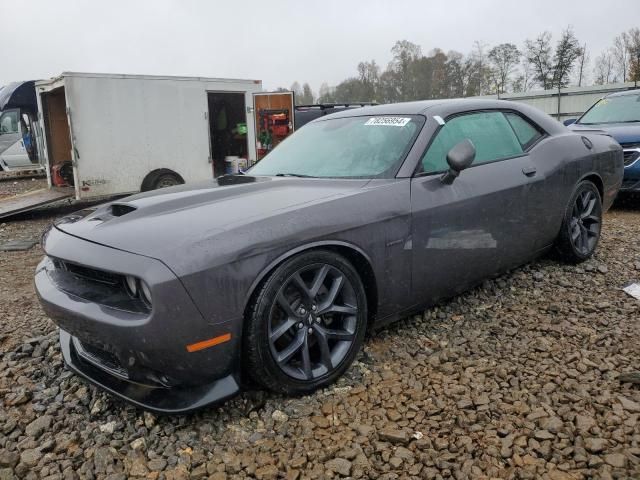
pixel 160 179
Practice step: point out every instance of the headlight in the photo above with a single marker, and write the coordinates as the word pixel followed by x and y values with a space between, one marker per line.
pixel 145 292
pixel 132 285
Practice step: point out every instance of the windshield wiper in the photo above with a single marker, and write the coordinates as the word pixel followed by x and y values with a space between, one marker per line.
pixel 294 175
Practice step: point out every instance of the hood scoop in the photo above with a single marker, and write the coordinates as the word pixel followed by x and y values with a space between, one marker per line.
pixel 120 209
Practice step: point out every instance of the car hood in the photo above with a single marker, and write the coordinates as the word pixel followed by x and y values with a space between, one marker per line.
pixel 156 223
pixel 621 132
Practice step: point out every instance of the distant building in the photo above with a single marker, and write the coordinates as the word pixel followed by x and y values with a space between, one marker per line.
pixel 572 101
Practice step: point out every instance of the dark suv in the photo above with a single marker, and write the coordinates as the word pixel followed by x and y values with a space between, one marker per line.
pixel 618 114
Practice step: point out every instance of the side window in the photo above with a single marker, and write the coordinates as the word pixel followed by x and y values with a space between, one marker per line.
pixel 527 134
pixel 9 122
pixel 490 132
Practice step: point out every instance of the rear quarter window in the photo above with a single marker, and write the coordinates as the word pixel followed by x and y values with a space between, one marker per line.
pixel 527 133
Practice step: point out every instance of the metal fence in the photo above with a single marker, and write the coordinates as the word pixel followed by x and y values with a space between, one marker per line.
pixel 567 103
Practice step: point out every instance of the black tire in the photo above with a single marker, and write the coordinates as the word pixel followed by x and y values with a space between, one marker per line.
pixel 331 340
pixel 161 179
pixel 580 231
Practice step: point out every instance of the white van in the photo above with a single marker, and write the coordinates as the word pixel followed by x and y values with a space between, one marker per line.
pixel 18 115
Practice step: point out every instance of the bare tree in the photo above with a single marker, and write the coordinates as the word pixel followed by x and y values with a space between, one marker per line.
pixel 568 50
pixel 621 55
pixel 504 58
pixel 538 55
pixel 604 70
pixel 583 62
pixel 480 62
pixel 326 94
pixel 524 80
pixel 296 89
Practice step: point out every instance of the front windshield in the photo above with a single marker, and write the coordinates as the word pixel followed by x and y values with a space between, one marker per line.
pixel 619 109
pixel 9 122
pixel 353 147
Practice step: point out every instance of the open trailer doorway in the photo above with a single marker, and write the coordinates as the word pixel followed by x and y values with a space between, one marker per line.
pixel 274 117
pixel 227 131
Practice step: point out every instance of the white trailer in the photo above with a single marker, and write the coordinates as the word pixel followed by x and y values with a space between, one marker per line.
pixel 106 135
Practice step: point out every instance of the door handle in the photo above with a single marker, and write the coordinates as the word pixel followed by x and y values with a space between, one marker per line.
pixel 529 171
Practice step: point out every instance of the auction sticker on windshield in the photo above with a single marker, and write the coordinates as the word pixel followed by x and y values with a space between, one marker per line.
pixel 388 121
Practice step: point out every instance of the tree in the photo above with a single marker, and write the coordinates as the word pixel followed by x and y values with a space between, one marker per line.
pixel 483 76
pixel 404 54
pixel 504 58
pixel 297 90
pixel 538 55
pixel 525 80
pixel 307 95
pixel 325 94
pixel 621 55
pixel 583 61
pixel 633 39
pixel 368 75
pixel 604 69
pixel 568 50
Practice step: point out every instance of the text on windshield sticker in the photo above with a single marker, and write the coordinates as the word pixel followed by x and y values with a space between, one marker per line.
pixel 388 121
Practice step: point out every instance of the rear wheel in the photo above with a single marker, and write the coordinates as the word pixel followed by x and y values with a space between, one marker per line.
pixel 166 180
pixel 581 226
pixel 306 324
pixel 162 178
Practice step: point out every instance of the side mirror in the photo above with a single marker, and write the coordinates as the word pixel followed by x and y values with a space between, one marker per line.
pixel 569 121
pixel 459 157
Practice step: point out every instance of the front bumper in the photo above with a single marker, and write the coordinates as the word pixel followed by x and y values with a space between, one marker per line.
pixel 173 400
pixel 141 357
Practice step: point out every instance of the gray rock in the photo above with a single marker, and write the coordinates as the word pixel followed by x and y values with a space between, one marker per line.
pixel 630 377
pixel 616 460
pixel 595 445
pixel 339 465
pixel 38 426
pixel 30 457
pixel 629 405
pixel 394 435
pixel 9 459
pixel 7 474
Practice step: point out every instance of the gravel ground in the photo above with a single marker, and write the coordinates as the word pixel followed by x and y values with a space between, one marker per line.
pixel 518 378
pixel 13 186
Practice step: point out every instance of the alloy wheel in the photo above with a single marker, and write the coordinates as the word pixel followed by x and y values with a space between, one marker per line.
pixel 585 222
pixel 312 322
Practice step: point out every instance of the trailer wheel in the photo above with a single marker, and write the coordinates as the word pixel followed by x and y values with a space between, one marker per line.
pixel 161 179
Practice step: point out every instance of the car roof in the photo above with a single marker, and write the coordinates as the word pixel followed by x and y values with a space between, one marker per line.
pixel 635 91
pixel 425 106
pixel 447 107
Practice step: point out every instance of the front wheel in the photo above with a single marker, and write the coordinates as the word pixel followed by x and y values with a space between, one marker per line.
pixel 581 226
pixel 306 324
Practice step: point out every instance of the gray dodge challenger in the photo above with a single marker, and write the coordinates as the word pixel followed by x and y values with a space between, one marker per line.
pixel 175 299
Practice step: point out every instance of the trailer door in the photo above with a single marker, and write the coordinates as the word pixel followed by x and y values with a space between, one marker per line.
pixel 274 119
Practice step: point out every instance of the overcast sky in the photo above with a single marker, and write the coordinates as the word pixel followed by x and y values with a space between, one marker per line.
pixel 277 41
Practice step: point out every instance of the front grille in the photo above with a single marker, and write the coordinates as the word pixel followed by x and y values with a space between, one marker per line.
pixel 95 285
pixel 630 156
pixel 629 184
pixel 91 274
